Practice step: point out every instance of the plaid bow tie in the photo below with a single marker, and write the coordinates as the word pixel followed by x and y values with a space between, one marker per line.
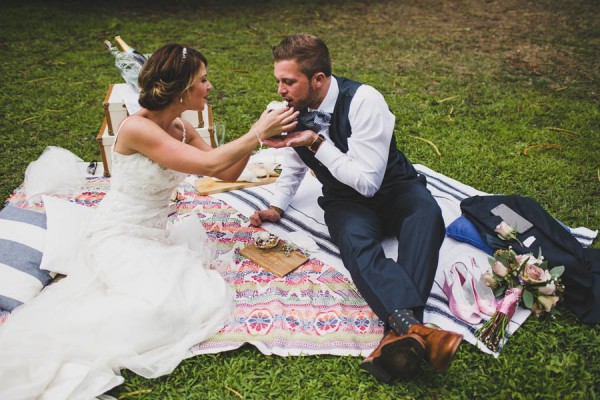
pixel 313 120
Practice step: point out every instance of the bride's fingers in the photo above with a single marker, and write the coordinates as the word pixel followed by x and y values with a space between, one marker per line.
pixel 285 112
pixel 288 127
pixel 292 117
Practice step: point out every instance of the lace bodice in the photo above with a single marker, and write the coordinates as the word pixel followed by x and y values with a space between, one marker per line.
pixel 139 177
pixel 140 192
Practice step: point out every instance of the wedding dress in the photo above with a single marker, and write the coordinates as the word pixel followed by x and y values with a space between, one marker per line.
pixel 136 299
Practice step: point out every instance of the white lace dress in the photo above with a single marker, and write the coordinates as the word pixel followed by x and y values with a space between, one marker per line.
pixel 135 300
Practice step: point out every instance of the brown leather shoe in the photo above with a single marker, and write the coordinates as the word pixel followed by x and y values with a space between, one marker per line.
pixel 440 345
pixel 396 358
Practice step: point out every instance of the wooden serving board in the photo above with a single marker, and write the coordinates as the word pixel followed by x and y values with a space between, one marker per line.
pixel 206 186
pixel 274 260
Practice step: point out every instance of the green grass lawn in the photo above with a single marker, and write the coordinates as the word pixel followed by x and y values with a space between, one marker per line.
pixel 473 85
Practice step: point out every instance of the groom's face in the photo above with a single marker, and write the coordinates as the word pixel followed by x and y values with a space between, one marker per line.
pixel 294 86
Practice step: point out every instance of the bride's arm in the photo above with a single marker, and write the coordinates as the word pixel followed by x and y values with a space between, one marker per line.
pixel 145 137
pixel 233 172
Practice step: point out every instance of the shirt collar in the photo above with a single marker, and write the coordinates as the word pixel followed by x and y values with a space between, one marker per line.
pixel 328 103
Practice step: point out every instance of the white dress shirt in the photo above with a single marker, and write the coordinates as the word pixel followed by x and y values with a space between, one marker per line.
pixel 363 166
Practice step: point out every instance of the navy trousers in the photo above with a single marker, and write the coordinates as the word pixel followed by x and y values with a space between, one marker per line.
pixel 357 227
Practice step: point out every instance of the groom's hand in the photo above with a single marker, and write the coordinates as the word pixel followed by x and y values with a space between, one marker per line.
pixel 271 214
pixel 292 139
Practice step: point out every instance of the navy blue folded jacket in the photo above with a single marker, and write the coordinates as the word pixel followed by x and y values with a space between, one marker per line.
pixel 558 246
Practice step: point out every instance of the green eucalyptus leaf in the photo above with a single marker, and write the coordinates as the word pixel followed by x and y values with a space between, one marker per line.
pixel 558 270
pixel 499 291
pixel 527 298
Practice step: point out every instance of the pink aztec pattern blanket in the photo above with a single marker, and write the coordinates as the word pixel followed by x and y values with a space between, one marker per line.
pixel 314 310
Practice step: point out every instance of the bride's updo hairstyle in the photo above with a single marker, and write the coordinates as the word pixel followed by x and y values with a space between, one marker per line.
pixel 168 74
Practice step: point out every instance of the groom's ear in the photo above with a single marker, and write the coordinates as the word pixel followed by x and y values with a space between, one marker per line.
pixel 319 78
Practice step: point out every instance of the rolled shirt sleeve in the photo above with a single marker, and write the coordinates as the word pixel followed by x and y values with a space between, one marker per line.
pixel 293 171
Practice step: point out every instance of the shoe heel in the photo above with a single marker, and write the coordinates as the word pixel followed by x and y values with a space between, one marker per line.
pixel 379 373
pixel 397 360
pixel 402 359
pixel 484 295
pixel 458 287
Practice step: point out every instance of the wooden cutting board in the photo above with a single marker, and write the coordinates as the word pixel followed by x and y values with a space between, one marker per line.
pixel 206 185
pixel 274 260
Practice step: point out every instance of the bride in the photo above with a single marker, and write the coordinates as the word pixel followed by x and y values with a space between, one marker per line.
pixel 136 299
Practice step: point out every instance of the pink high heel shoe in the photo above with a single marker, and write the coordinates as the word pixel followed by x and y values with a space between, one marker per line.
pixel 484 295
pixel 458 286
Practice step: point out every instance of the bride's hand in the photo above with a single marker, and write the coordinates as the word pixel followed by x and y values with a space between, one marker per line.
pixel 273 122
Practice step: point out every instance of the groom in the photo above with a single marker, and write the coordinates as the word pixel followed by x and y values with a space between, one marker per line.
pixel 345 135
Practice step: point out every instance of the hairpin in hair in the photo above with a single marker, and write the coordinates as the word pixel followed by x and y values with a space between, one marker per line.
pixel 184 52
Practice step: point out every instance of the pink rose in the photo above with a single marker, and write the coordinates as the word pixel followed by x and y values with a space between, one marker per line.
pixel 548 302
pixel 504 230
pixel 522 257
pixel 489 279
pixel 534 274
pixel 547 290
pixel 500 269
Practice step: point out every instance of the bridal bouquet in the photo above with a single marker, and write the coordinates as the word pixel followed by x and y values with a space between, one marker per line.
pixel 520 279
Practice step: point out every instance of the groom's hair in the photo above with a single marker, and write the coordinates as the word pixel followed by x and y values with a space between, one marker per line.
pixel 309 51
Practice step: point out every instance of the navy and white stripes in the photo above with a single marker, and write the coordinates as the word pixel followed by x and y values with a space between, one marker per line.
pixel 306 216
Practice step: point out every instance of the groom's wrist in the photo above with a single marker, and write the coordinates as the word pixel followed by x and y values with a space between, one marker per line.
pixel 316 143
pixel 276 209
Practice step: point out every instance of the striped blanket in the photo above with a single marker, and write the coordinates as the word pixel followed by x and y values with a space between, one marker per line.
pixel 305 216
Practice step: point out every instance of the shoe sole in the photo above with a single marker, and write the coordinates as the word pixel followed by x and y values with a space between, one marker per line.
pixel 399 360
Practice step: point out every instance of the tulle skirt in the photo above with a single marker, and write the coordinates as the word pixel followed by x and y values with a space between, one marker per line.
pixel 137 301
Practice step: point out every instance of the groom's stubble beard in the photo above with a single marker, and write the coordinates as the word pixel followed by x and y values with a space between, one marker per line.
pixel 311 100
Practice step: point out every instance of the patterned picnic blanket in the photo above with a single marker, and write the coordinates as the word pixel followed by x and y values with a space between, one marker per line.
pixel 313 310
pixel 305 216
pixel 316 309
